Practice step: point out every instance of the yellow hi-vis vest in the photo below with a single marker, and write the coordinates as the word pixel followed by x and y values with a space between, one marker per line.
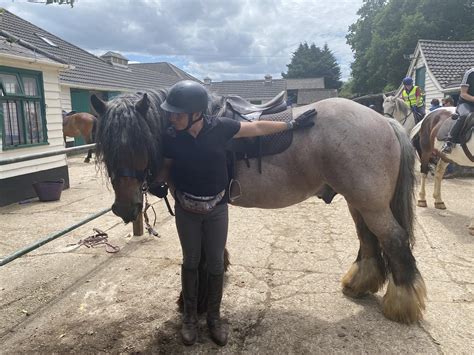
pixel 410 98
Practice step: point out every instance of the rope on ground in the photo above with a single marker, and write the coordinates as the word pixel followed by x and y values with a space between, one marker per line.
pixel 99 238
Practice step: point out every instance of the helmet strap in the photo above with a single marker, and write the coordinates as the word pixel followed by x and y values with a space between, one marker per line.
pixel 191 122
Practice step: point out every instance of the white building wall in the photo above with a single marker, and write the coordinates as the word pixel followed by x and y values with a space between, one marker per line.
pixel 52 94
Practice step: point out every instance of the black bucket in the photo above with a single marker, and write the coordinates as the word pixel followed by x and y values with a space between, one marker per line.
pixel 49 190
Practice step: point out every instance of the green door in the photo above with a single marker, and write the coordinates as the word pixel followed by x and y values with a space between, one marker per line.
pixel 80 102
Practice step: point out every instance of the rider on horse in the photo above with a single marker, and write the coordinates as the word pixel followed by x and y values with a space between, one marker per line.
pixel 465 106
pixel 413 97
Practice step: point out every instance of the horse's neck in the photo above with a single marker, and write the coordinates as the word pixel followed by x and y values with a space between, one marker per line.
pixel 404 116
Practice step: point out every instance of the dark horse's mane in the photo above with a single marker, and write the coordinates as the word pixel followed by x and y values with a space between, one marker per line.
pixel 124 133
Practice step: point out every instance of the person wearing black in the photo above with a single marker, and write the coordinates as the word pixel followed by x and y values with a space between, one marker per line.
pixel 194 150
pixel 464 108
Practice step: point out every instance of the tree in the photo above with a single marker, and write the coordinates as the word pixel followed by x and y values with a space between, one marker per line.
pixel 387 31
pixel 309 61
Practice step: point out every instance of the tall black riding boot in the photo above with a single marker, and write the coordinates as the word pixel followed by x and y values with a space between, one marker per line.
pixel 216 328
pixel 189 281
pixel 453 135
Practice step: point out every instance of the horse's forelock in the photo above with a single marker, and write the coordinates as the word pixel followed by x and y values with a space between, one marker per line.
pixel 124 133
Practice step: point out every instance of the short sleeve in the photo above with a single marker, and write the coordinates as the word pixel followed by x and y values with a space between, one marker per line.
pixel 468 79
pixel 229 127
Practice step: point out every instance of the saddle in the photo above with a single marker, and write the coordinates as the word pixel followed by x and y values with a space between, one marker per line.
pixel 258 147
pixel 466 131
pixel 238 105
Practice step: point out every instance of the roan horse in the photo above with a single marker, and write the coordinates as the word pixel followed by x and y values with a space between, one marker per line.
pixel 80 124
pixel 349 150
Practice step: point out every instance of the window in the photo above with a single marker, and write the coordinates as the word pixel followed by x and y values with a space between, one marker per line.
pixel 22 108
pixel 46 39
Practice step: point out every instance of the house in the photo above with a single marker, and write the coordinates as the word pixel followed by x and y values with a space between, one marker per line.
pixel 298 91
pixel 64 77
pixel 438 67
pixel 29 92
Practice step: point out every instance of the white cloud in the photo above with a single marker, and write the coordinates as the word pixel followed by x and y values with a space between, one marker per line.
pixel 232 39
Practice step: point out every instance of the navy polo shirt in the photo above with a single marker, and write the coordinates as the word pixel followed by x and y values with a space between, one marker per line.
pixel 199 164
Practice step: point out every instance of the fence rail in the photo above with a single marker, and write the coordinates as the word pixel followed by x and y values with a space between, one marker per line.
pixel 27 157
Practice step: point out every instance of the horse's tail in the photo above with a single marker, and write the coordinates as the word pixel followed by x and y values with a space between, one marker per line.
pixel 402 200
pixel 94 129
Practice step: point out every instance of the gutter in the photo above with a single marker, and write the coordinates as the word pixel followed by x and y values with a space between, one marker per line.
pixel 36 60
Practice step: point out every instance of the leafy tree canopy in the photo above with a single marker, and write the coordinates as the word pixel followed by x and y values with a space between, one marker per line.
pixel 387 31
pixel 310 61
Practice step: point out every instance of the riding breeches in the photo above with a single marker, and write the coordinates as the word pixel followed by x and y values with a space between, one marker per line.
pixel 208 231
pixel 462 111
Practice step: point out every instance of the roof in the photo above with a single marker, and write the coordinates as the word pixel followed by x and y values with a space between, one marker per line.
pixel 164 68
pixel 89 71
pixel 15 48
pixel 249 89
pixel 448 60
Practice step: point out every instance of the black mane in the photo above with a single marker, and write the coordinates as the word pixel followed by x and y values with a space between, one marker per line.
pixel 123 133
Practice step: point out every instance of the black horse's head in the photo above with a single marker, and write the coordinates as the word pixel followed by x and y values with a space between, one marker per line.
pixel 128 144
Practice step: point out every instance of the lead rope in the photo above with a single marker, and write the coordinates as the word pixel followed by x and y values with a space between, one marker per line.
pixel 150 229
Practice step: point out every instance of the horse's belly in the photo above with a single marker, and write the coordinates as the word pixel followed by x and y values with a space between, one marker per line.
pixel 457 155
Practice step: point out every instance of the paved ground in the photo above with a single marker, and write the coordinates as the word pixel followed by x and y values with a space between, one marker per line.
pixel 283 291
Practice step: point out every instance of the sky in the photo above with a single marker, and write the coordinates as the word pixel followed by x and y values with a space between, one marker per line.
pixel 219 39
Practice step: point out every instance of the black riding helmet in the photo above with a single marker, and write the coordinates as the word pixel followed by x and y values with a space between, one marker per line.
pixel 186 96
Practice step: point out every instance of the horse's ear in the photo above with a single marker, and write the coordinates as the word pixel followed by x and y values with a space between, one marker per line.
pixel 384 97
pixel 99 106
pixel 143 104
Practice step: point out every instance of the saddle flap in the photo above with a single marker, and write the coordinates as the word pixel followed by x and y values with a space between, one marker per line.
pixel 242 106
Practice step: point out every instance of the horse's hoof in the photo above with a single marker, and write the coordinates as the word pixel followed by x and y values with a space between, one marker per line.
pixel 422 203
pixel 87 160
pixel 363 277
pixel 405 303
pixel 471 231
pixel 440 205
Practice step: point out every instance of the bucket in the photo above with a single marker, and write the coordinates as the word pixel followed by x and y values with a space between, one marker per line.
pixel 49 190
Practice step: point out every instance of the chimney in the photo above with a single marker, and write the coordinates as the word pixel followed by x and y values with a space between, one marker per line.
pixel 116 59
pixel 268 79
pixel 207 80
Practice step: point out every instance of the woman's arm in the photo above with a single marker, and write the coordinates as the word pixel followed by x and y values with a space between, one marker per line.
pixel 260 128
pixel 465 95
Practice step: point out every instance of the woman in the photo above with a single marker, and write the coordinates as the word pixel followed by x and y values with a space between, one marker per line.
pixel 195 157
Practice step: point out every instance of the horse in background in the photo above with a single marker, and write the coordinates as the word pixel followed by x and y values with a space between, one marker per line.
pixel 394 107
pixel 432 133
pixel 80 124
pixel 350 150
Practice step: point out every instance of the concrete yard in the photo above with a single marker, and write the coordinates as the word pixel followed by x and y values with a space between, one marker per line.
pixel 282 295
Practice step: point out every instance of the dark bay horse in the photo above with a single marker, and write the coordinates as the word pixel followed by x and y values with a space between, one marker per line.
pixel 350 150
pixel 80 124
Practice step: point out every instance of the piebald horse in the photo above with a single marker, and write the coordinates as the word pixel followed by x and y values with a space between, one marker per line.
pixel 351 150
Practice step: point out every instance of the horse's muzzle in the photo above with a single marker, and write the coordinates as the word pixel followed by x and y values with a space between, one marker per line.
pixel 128 212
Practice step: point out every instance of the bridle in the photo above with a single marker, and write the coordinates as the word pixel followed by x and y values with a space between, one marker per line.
pixel 403 121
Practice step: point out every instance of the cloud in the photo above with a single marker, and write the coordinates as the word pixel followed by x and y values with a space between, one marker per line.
pixel 232 39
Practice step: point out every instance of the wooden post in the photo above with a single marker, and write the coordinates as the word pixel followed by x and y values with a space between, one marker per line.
pixel 138 225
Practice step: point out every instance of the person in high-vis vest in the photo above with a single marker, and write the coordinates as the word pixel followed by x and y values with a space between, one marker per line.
pixel 413 97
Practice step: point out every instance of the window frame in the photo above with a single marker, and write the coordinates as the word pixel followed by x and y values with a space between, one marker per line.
pixel 21 99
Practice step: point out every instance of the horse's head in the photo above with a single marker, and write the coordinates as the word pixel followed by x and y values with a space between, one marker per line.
pixel 394 107
pixel 128 144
